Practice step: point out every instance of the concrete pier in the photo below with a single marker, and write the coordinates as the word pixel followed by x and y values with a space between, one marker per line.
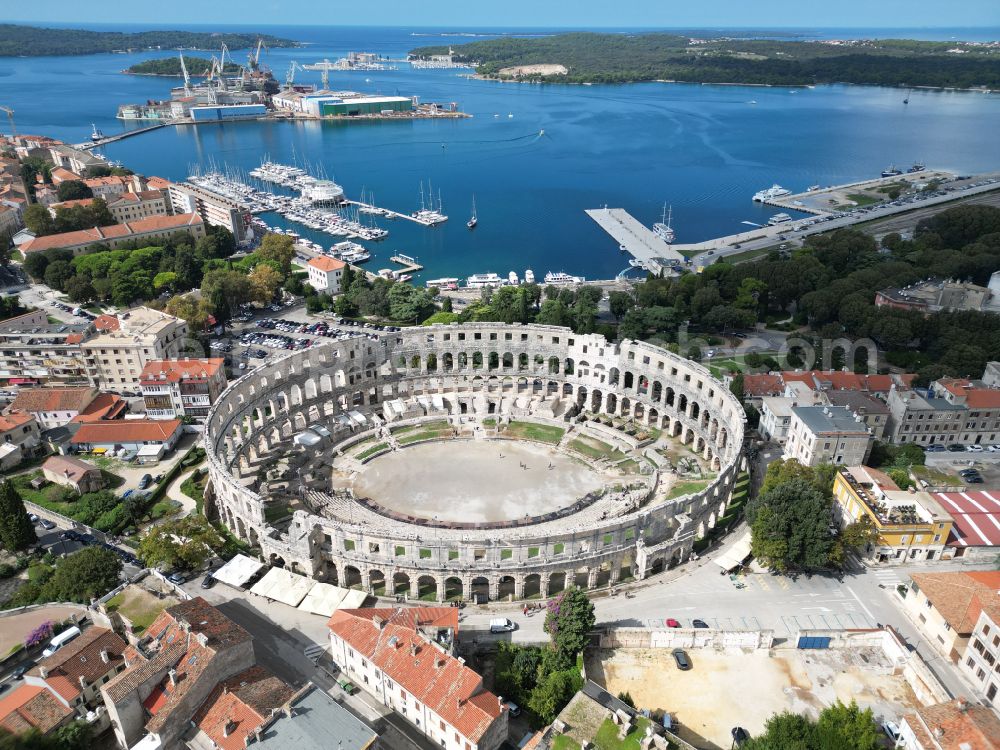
pixel 638 240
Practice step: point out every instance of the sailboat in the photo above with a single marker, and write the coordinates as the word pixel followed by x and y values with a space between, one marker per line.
pixel 662 228
pixel 907 99
pixel 471 223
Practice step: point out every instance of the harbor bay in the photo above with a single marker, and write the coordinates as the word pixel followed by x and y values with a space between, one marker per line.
pixel 534 158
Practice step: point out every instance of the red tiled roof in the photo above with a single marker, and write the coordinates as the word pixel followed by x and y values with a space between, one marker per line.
pixel 81 658
pixel 175 370
pixel 975 398
pixel 452 690
pixel 72 468
pixel 959 597
pixel 14 420
pixel 105 406
pixel 99 234
pixel 61 174
pixel 977 517
pixel 53 399
pixel 74 202
pixel 956 725
pixel 762 385
pixel 126 431
pixel 107 323
pixel 243 702
pixel 32 707
pixel 326 263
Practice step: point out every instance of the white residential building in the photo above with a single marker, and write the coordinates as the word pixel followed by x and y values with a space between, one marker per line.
pixel 827 434
pixel 325 274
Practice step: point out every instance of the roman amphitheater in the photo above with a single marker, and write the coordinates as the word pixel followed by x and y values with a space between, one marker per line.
pixel 475 461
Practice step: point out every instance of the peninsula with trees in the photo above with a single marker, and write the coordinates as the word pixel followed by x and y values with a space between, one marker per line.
pixel 171 66
pixel 626 58
pixel 33 41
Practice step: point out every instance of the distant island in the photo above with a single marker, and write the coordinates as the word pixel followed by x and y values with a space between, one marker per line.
pixel 33 41
pixel 171 66
pixel 625 58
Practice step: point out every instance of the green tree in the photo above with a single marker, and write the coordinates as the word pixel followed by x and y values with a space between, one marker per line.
pixel 82 576
pixel 790 527
pixel 16 530
pixel 280 248
pixel 72 190
pixel 38 220
pixel 164 280
pixel 839 727
pixel 264 283
pixel 736 386
pixel 79 289
pixel 620 303
pixel 78 735
pixel 225 290
pixel 569 620
pixel 552 693
pixel 184 543
pixel 858 535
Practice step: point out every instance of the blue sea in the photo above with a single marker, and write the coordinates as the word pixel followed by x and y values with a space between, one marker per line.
pixel 704 150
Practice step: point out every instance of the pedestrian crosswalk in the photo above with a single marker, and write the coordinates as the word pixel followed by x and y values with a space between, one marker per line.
pixel 314 652
pixel 887 577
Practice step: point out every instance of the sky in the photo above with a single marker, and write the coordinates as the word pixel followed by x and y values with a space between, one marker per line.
pixel 526 13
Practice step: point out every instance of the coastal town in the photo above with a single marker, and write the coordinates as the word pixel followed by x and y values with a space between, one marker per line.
pixel 256 491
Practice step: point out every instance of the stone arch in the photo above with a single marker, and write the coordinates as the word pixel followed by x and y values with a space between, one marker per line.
pixel 612 403
pixel 448 362
pixel 400 584
pixel 522 361
pixel 532 586
pixel 682 403
pixel 432 362
pixel 494 361
pixel 643 386
pixel 427 588
pixel 557 582
pixel 276 561
pixel 508 361
pixel 613 375
pixel 553 365
pixel 596 398
pixel 376 582
pixel 352 577
pixel 581 578
pixel 479 589
pixel 506 588
pixel 463 361
pixel 656 392
pixel 477 360
pixel 629 380
pixel 568 366
pixel 453 589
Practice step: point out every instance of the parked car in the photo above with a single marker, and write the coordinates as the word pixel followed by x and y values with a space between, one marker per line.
pixel 33 518
pixel 974 448
pixel 501 625
pixel 890 728
pixel 18 673
pixel 47 524
pixel 515 710
pixel 956 448
pixel 146 480
pixel 681 659
pixel 176 577
pixel 699 624
pixel 672 623
pixel 208 581
pixel 937 448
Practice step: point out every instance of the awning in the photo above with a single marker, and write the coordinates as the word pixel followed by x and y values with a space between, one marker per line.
pixel 155 450
pixel 238 571
pixel 281 586
pixel 99 451
pixel 736 554
pixel 353 600
pixel 323 599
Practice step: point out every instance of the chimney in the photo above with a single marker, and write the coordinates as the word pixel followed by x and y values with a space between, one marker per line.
pixel 379 622
pixel 500 701
pixel 413 649
pixel 172 674
pixel 229 728
pixel 105 656
pixel 439 662
pixel 83 682
pixel 43 671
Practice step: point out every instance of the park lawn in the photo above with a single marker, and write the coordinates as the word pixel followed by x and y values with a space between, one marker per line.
pixel 595 448
pixel 565 742
pixel 371 451
pixel 607 736
pixel 863 199
pixel 541 433
pixel 22 485
pixel 437 424
pixel 630 466
pixel 431 434
pixel 748 255
pixel 685 488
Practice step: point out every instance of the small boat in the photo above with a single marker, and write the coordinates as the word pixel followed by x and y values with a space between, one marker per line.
pixel 95 133
pixel 529 276
pixel 474 220
pixel 512 278
pixel 891 171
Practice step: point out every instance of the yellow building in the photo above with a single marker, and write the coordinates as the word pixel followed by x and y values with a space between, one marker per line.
pixel 911 525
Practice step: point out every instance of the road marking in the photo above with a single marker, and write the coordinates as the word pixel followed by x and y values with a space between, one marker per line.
pixel 783 583
pixel 861 603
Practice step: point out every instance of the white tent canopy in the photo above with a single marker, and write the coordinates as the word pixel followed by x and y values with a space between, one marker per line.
pixel 281 586
pixel 736 554
pixel 323 599
pixel 238 571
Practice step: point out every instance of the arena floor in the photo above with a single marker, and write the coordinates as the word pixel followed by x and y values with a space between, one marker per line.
pixel 476 481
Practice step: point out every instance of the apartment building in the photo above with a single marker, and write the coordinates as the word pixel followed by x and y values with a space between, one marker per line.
pixel 946 606
pixel 827 434
pixel 143 335
pixel 76 672
pixel 309 720
pixel 872 411
pixel 152 229
pixel 934 295
pixel 981 662
pixel 189 649
pixel 214 209
pixel 912 526
pixel 20 437
pixel 34 351
pixel 182 387
pixel 74 159
pixel 325 274
pixel 981 402
pixel 402 657
pixel 130 207
pixel 950 411
pixel 53 407
pixel 32 707
pixel 955 725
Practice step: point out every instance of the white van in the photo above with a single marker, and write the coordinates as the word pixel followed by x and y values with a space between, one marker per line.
pixel 501 625
pixel 61 640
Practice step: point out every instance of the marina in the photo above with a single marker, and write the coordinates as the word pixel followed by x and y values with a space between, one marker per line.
pixel 647 247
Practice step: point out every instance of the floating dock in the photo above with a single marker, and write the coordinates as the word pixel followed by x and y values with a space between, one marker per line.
pixel 390 214
pixel 409 265
pixel 650 250
pixel 88 145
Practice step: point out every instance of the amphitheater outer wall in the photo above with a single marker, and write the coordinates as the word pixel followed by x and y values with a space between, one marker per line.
pixel 479 370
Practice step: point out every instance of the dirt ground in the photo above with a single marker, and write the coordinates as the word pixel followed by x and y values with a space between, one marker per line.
pixel 743 688
pixel 15 628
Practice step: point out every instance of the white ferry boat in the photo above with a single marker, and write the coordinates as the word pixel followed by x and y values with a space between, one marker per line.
pixel 775 191
pixel 445 283
pixel 480 280
pixel 563 278
pixel 529 276
pixel 779 219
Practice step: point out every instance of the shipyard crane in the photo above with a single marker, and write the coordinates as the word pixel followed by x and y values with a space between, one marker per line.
pixel 10 116
pixel 222 66
pixel 187 78
pixel 290 76
pixel 253 59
